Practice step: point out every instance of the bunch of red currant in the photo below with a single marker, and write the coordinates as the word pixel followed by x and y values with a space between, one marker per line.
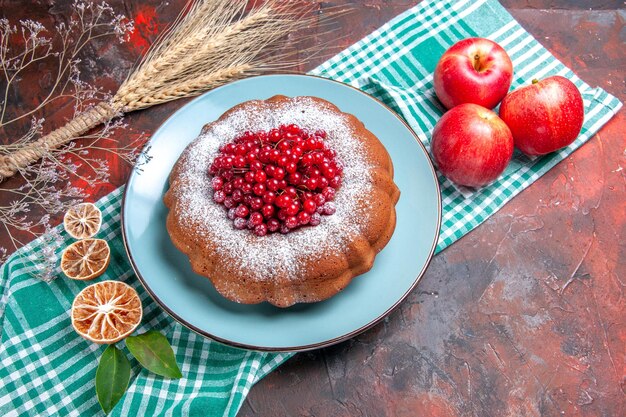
pixel 276 181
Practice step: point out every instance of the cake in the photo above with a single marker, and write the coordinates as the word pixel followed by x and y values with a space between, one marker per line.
pixel 317 235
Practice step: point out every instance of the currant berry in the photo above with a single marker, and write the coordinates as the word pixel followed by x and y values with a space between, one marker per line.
pixel 273 225
pixel 268 211
pixel 260 230
pixel 291 222
pixel 309 206
pixel 277 180
pixel 269 197
pixel 328 193
pixel 255 219
pixel 237 196
pixel 329 208
pixel 219 196
pixel 255 203
pixel 240 223
pixel 217 183
pixel 316 219
pixel 303 218
pixel 242 211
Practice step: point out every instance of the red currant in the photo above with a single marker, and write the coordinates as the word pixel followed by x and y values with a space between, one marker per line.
pixel 219 196
pixel 295 178
pixel 303 218
pixel 269 197
pixel 283 201
pixel 242 211
pixel 329 208
pixel 291 222
pixel 217 183
pixel 291 167
pixel 277 180
pixel 279 173
pixel 255 219
pixel 273 184
pixel 291 192
pixel 328 193
pixel 260 176
pixel 274 135
pixel 292 209
pixel 312 183
pixel 316 219
pixel 256 203
pixel 237 196
pixel 260 230
pixel 273 225
pixel 268 211
pixel 246 188
pixel 335 182
pixel 309 206
pixel 237 182
pixel 307 160
pixel 240 223
pixel 259 188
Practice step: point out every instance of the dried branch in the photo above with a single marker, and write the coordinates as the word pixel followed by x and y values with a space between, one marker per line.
pixel 46 187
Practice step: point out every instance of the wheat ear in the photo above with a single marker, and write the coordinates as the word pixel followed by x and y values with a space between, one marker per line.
pixel 214 42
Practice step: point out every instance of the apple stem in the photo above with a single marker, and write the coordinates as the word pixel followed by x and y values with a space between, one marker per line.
pixel 477 65
pixel 535 81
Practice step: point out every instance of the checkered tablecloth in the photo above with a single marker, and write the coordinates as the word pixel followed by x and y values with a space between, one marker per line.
pixel 396 65
pixel 48 370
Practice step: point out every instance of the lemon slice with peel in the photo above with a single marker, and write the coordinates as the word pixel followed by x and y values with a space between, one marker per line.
pixel 106 312
pixel 82 221
pixel 85 259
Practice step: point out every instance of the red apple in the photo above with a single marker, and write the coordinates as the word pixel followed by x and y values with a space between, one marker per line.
pixel 471 145
pixel 544 116
pixel 474 70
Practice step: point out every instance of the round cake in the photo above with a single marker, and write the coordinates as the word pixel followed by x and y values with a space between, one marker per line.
pixel 283 200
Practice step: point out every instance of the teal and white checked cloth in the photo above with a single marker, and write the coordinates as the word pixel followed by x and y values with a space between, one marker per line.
pixel 48 370
pixel 396 65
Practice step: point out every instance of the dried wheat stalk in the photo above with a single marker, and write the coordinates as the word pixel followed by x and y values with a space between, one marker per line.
pixel 213 43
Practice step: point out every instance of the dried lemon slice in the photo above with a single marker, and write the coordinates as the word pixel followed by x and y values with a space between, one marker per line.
pixel 85 259
pixel 82 221
pixel 106 312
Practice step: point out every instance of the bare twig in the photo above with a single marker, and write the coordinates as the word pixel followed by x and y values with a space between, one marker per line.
pixel 46 187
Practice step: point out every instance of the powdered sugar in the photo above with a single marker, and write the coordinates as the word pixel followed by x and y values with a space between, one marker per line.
pixel 275 253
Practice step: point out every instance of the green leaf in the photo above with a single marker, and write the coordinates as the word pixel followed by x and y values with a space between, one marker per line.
pixel 154 352
pixel 112 377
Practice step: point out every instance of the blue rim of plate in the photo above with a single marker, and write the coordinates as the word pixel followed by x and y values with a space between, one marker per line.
pixel 311 346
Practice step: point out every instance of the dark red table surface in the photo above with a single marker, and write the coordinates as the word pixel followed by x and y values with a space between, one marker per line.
pixel 524 316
